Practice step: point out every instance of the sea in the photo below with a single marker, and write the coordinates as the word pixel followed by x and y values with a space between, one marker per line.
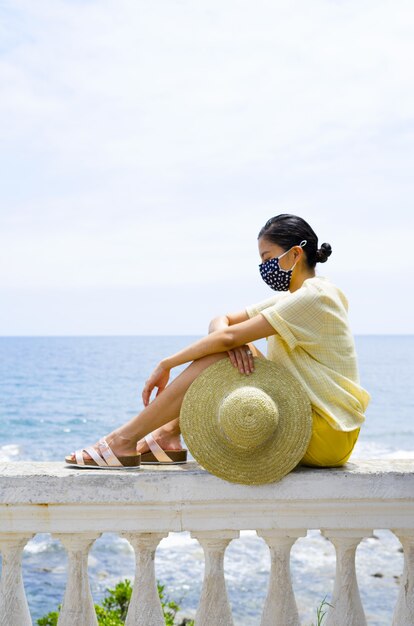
pixel 61 393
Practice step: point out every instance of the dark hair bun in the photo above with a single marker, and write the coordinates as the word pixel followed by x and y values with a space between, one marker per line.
pixel 323 253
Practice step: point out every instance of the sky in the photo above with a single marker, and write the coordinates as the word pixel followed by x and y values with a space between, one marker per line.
pixel 143 144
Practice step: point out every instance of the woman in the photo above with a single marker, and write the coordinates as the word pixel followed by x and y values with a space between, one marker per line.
pixel 308 333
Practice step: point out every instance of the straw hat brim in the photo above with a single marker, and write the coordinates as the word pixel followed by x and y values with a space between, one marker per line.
pixel 270 461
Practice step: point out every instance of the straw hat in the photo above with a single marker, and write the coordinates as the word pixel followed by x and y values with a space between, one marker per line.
pixel 246 429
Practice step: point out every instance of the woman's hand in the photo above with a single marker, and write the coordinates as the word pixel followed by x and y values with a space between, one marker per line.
pixel 242 358
pixel 159 378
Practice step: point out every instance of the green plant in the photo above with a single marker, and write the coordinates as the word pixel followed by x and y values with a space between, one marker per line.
pixel 169 608
pixel 50 619
pixel 116 602
pixel 321 611
pixel 114 608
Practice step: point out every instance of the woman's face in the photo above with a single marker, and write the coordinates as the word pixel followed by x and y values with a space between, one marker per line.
pixel 269 250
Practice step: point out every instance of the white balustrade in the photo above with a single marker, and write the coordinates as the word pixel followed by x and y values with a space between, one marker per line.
pixel 346 606
pixel 143 507
pixel 145 606
pixel 404 610
pixel 77 606
pixel 280 606
pixel 14 610
pixel 214 607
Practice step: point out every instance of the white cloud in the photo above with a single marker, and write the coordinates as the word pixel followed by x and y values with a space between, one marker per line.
pixel 145 143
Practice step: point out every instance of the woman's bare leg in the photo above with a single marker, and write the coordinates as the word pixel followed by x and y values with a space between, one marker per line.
pixel 168 436
pixel 162 410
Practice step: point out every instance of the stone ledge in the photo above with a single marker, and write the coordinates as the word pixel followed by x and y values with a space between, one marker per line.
pixel 58 483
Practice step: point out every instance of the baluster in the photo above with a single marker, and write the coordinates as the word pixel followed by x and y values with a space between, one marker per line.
pixel 77 606
pixel 404 609
pixel 14 610
pixel 280 606
pixel 145 606
pixel 214 607
pixel 346 609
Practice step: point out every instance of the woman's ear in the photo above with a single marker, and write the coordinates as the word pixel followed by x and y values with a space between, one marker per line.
pixel 297 251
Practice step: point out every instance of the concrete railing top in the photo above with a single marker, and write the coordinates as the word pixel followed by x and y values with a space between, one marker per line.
pixel 58 483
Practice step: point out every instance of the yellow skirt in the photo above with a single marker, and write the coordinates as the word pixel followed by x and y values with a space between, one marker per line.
pixel 328 447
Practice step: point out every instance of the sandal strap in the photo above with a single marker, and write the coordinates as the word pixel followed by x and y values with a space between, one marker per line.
pixel 108 455
pixel 79 457
pixel 98 459
pixel 92 453
pixel 156 450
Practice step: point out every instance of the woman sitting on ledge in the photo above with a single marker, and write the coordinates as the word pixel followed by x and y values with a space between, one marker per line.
pixel 308 333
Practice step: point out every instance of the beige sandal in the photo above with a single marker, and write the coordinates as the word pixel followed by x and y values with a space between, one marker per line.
pixel 107 460
pixel 158 456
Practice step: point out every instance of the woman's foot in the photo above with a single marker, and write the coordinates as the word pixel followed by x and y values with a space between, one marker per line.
pixel 162 447
pixel 122 445
pixel 119 444
pixel 166 440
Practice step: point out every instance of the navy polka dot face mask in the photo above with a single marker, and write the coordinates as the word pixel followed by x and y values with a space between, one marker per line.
pixel 274 276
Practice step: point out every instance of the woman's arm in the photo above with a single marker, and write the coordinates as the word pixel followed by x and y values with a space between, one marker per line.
pixel 223 321
pixel 239 356
pixel 221 340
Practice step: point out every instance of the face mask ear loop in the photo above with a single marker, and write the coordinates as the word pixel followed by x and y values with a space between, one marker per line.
pixel 302 245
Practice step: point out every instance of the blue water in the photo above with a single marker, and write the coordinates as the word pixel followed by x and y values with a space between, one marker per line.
pixel 60 393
